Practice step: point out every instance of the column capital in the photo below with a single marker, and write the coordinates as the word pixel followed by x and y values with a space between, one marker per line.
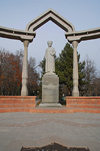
pixel 26 43
pixel 75 44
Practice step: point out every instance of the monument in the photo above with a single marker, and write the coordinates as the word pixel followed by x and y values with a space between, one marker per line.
pixel 50 81
pixel 26 37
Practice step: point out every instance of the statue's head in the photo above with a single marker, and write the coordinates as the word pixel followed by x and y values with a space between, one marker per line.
pixel 49 43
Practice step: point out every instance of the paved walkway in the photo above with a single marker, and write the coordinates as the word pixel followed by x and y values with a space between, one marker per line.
pixel 35 129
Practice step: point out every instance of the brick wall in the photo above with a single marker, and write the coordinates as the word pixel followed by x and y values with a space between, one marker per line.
pixel 83 102
pixel 28 104
pixel 17 103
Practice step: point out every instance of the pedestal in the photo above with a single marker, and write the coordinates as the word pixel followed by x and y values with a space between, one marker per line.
pixel 50 90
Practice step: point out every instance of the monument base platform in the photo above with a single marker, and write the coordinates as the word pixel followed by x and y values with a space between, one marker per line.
pixel 50 105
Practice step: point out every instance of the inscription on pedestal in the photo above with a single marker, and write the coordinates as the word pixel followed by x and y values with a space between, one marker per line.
pixel 50 88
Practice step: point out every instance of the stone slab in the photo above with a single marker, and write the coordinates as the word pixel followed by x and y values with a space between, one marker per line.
pixel 50 105
pixel 50 88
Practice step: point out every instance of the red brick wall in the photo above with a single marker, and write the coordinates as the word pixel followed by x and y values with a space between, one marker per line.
pixel 16 103
pixel 27 104
pixel 83 102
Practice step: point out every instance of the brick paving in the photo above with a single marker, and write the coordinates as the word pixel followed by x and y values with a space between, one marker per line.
pixel 38 129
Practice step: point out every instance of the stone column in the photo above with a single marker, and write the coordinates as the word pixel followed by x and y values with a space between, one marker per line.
pixel 24 90
pixel 75 70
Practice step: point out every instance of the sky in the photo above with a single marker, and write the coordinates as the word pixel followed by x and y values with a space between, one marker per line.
pixel 83 14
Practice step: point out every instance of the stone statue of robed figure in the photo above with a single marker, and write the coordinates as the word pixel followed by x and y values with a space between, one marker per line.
pixel 50 58
pixel 50 81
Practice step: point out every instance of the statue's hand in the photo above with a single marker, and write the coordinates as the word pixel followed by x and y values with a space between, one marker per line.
pixel 52 52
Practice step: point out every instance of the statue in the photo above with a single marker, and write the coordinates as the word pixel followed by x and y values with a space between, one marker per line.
pixel 49 57
pixel 50 81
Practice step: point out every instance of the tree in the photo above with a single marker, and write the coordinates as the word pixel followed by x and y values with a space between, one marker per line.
pixel 42 66
pixel 33 78
pixel 90 77
pixel 64 69
pixel 11 74
pixel 96 86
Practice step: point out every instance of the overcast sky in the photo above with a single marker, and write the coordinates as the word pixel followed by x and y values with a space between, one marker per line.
pixel 83 14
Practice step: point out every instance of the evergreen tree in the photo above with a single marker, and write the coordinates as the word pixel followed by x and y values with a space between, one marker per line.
pixel 64 69
pixel 64 64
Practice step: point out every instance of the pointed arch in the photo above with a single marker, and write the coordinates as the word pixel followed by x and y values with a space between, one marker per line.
pixel 54 17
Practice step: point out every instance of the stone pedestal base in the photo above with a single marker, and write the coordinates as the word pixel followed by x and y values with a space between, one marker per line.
pixel 50 89
pixel 50 105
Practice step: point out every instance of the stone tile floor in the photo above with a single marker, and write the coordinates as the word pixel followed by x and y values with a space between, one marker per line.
pixel 39 129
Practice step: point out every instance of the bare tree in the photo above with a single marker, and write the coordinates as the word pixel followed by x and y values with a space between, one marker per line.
pixel 90 76
pixel 11 73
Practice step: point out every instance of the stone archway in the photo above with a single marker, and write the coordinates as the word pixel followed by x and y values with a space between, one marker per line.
pixel 54 17
pixel 27 36
pixel 67 27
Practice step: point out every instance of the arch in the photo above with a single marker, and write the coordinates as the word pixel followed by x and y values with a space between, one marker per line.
pixel 54 17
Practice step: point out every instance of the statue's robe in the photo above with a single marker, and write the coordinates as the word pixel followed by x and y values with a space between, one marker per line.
pixel 50 60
